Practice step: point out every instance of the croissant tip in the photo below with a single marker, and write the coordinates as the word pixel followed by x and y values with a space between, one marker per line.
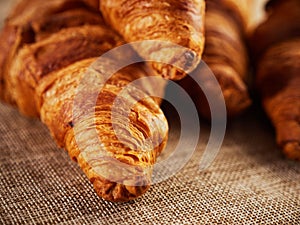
pixel 292 150
pixel 237 103
pixel 117 192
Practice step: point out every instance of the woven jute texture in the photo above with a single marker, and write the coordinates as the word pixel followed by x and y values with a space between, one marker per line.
pixel 250 182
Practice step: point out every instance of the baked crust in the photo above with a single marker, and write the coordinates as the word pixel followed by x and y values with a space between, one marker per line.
pixel 178 22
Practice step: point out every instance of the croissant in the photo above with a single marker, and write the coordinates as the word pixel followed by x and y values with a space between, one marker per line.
pixel 281 24
pixel 176 21
pixel 43 69
pixel 22 27
pixel 276 49
pixel 226 55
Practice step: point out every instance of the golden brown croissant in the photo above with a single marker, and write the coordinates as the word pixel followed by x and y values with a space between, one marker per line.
pixel 27 12
pixel 23 26
pixel 282 23
pixel 43 74
pixel 276 47
pixel 177 21
pixel 225 54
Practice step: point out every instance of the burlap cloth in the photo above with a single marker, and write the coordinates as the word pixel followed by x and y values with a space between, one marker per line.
pixel 250 182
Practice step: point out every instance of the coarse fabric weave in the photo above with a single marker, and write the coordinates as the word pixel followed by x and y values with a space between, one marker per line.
pixel 250 181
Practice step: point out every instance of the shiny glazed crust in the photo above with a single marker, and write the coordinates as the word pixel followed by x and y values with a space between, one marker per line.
pixel 42 67
pixel 100 162
pixel 275 44
pixel 180 22
pixel 226 55
pixel 279 83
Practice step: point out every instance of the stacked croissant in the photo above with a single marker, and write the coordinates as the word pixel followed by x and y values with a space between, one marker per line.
pixel 47 49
